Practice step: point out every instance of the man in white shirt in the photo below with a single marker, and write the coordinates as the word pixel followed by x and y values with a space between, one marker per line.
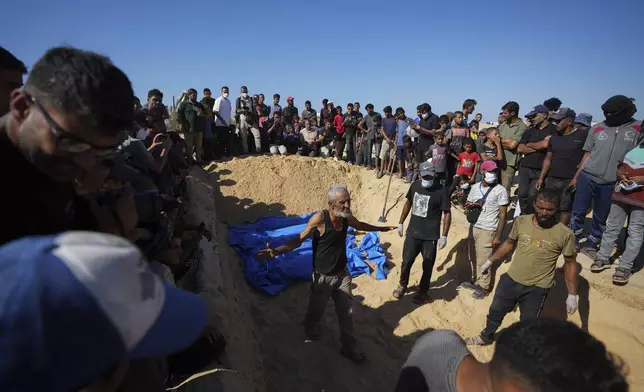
pixel 222 111
pixel 486 232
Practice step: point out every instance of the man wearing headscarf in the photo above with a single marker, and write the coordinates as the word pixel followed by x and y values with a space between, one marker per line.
pixel 606 145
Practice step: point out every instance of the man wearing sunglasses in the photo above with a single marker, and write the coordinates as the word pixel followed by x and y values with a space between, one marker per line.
pixel 11 71
pixel 70 116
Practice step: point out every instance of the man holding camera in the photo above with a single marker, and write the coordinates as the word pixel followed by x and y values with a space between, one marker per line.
pixel 246 120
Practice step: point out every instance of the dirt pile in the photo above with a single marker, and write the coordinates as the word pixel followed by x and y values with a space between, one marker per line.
pixel 247 188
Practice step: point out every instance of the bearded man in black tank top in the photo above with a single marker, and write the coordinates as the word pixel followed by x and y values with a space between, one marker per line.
pixel 330 275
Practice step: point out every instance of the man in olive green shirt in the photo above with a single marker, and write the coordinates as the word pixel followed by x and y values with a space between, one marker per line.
pixel 510 132
pixel 190 115
pixel 539 241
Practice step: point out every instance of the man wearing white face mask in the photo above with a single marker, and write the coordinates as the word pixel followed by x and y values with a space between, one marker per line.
pixel 222 113
pixel 487 230
pixel 428 201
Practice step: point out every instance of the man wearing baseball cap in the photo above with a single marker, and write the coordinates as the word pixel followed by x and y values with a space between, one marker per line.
pixel 76 307
pixel 428 201
pixel 486 232
pixel 534 145
pixel 583 121
pixel 289 113
pixel 565 150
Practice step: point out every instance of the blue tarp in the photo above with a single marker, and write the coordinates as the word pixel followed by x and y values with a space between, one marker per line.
pixel 273 276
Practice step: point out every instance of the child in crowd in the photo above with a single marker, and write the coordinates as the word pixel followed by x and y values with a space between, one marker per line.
pixel 474 130
pixel 468 161
pixel 460 194
pixel 438 154
pixel 491 149
pixel 325 137
pixel 410 158
pixel 276 135
pixel 456 136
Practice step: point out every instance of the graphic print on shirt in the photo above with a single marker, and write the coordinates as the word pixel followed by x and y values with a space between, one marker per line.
pixel 421 205
pixel 468 163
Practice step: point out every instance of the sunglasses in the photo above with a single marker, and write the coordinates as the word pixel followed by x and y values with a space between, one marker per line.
pixel 67 141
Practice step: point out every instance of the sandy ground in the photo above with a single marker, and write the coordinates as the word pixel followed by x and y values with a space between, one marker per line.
pixel 266 340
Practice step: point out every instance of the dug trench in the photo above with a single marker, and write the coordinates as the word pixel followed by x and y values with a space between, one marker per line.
pixel 266 342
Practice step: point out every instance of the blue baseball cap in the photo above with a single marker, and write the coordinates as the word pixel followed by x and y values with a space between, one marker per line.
pixel 74 304
pixel 538 109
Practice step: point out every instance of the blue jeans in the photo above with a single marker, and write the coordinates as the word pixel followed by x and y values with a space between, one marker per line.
pixel 590 194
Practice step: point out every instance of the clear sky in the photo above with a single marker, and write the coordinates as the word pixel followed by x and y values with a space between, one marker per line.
pixel 398 53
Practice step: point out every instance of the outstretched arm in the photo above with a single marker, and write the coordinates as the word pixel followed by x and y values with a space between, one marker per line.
pixel 356 224
pixel 270 252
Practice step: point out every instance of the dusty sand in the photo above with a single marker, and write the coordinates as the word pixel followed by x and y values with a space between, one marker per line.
pixel 266 341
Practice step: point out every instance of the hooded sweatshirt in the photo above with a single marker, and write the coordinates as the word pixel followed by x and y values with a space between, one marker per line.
pixel 607 147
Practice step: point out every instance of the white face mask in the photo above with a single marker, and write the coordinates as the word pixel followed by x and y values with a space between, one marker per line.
pixel 426 183
pixel 425 115
pixel 225 95
pixel 465 186
pixel 244 95
pixel 490 178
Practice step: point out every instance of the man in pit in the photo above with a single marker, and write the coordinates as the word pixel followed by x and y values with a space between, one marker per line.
pixel 330 275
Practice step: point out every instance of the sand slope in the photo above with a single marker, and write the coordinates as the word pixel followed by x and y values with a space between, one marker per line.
pixel 247 188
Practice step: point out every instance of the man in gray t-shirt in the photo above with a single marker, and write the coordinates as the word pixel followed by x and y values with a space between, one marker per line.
pixel 541 354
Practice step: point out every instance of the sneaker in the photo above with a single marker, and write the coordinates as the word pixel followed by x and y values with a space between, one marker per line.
pixel 421 297
pixel 476 341
pixel 467 285
pixel 599 266
pixel 400 292
pixel 480 293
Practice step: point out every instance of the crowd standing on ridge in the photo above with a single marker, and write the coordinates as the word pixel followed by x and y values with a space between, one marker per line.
pixel 100 253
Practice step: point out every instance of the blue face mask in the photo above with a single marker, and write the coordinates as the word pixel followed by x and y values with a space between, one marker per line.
pixel 465 186
pixel 426 183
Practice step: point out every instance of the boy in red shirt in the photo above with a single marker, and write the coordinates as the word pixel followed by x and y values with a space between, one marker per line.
pixel 468 161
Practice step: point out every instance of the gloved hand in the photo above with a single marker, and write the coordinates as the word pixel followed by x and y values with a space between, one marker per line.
pixel 485 268
pixel 572 303
pixel 442 242
pixel 400 229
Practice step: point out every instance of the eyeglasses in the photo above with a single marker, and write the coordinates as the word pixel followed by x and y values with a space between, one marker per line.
pixel 69 142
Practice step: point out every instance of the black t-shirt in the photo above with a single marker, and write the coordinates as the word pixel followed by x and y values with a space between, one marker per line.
pixel 351 124
pixel 427 206
pixel 429 123
pixel 567 152
pixel 33 204
pixel 534 160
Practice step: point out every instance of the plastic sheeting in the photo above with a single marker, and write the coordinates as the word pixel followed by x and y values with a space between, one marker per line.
pixel 273 276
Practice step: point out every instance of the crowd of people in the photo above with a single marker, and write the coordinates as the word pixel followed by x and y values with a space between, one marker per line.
pixel 97 257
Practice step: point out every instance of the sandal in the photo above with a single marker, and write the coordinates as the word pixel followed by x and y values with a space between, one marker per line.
pixel 400 292
pixel 476 341
pixel 621 276
pixel 379 175
pixel 353 355
pixel 599 266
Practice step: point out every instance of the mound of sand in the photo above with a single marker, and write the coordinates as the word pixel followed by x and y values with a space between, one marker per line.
pixel 269 328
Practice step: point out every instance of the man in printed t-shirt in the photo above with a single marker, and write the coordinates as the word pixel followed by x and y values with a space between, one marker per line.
pixel 428 201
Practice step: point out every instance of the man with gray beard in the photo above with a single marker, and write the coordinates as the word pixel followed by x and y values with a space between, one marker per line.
pixel 330 275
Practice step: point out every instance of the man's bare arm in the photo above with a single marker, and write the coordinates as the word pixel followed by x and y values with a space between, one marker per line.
pixel 503 212
pixel 572 273
pixel 270 252
pixel 447 222
pixel 524 149
pixel 502 251
pixel 509 144
pixel 362 226
pixel 405 211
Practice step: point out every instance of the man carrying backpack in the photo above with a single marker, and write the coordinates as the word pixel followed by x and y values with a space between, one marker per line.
pixel 487 206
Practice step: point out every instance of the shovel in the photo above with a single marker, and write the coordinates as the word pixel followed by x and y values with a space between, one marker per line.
pixel 391 174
